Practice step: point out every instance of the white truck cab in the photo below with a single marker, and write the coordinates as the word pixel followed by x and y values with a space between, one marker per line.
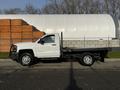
pixel 46 47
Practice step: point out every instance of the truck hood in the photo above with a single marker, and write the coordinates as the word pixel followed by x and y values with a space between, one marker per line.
pixel 25 45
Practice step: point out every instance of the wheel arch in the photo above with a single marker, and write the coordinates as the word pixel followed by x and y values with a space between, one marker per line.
pixel 87 53
pixel 26 51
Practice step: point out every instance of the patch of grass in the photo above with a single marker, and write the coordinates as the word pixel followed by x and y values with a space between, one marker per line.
pixel 4 55
pixel 114 54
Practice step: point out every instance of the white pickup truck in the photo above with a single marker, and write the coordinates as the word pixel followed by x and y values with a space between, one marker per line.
pixel 51 46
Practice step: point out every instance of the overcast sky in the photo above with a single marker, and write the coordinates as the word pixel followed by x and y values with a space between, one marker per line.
pixel 6 4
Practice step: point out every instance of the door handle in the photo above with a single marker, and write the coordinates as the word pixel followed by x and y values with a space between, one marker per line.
pixel 53 44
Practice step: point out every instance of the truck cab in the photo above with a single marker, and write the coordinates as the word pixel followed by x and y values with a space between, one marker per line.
pixel 47 46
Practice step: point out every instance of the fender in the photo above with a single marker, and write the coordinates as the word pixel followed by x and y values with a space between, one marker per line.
pixel 26 51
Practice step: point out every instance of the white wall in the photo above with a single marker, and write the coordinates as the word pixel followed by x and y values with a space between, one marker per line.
pixel 118 33
pixel 73 26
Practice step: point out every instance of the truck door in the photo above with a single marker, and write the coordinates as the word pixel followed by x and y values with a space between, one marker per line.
pixel 48 47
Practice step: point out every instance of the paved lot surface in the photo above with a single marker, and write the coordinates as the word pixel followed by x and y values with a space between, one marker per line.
pixel 65 75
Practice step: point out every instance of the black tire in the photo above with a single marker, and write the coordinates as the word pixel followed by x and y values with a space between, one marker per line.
pixel 87 59
pixel 26 59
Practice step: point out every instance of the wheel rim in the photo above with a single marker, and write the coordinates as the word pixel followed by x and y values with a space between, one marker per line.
pixel 88 59
pixel 26 59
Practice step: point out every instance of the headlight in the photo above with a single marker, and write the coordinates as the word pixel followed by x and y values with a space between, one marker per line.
pixel 13 48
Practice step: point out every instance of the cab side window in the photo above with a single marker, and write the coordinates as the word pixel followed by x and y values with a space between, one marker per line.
pixel 49 39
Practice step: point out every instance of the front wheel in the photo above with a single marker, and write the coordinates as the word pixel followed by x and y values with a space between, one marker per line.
pixel 26 59
pixel 87 59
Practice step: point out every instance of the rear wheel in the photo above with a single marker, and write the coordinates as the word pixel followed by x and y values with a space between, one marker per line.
pixel 87 59
pixel 26 59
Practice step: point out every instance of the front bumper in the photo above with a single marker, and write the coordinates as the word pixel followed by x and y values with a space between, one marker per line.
pixel 13 55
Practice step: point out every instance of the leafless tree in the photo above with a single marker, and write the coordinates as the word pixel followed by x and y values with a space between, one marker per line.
pixel 112 7
pixel 13 11
pixel 30 9
pixel 72 7
pixel 53 7
pixel 86 6
pixel 0 11
pixel 106 6
pixel 115 7
pixel 96 7
pixel 69 6
pixel 62 7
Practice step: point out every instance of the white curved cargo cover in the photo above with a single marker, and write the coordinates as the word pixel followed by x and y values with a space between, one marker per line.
pixel 119 27
pixel 90 26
